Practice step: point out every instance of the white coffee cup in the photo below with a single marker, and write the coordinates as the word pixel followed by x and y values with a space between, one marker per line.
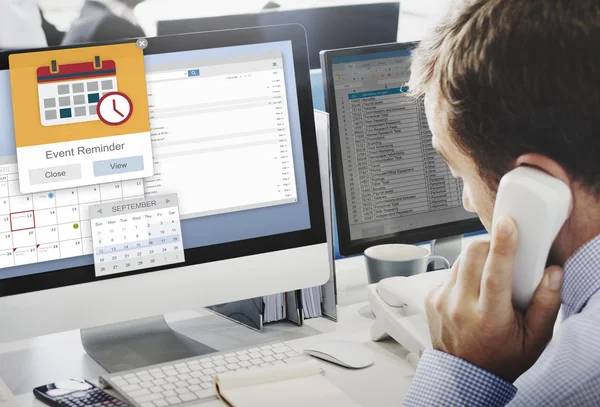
pixel 392 260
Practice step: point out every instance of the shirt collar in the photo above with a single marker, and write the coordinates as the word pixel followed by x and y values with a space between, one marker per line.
pixel 119 9
pixel 582 277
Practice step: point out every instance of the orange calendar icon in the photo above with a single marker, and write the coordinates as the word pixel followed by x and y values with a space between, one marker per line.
pixel 69 93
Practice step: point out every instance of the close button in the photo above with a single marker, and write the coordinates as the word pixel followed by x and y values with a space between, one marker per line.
pixel 55 174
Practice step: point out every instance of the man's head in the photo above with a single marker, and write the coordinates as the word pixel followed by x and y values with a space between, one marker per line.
pixel 512 82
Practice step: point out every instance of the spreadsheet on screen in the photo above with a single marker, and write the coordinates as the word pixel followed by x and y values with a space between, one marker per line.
pixel 394 178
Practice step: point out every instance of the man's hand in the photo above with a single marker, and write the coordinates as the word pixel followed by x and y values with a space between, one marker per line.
pixel 472 317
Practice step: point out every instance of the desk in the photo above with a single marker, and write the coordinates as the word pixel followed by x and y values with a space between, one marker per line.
pixel 27 363
pixel 383 384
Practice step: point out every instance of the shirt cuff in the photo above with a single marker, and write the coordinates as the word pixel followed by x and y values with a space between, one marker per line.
pixel 446 380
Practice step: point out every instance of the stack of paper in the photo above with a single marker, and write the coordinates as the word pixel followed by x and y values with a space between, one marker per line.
pixel 274 308
pixel 297 385
pixel 311 302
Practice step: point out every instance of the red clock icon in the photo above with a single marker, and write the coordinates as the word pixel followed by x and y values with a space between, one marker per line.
pixel 114 108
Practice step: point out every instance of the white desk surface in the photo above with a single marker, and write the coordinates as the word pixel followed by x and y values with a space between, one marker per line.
pixel 50 358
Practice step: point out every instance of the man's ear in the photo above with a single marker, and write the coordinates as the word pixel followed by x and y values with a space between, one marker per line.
pixel 547 165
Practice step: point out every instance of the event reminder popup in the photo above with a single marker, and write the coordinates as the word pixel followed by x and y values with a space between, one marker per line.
pixel 81 116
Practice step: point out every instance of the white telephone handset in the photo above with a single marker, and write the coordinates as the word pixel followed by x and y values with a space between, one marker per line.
pixel 537 202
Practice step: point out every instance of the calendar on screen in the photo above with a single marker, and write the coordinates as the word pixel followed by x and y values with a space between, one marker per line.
pixel 51 225
pixel 136 234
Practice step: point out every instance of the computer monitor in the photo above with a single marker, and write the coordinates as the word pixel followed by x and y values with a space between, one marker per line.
pixel 390 185
pixel 326 27
pixel 233 137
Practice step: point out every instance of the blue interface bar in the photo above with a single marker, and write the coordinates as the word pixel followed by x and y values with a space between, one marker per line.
pixel 375 93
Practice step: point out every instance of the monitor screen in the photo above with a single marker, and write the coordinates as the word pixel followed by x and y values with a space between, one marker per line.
pixel 226 139
pixel 392 180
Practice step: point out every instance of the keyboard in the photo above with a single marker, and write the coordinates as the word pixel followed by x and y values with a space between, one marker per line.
pixel 190 381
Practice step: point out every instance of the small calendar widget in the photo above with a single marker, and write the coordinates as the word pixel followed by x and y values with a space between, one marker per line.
pixel 136 234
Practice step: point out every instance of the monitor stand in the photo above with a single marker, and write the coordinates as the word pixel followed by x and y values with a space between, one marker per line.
pixel 135 344
pixel 448 247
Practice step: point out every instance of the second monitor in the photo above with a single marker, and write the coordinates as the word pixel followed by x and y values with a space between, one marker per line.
pixel 326 27
pixel 390 185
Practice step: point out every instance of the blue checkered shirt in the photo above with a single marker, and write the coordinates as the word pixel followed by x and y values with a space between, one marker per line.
pixel 566 374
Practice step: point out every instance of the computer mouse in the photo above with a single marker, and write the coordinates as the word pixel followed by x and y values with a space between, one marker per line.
pixel 342 353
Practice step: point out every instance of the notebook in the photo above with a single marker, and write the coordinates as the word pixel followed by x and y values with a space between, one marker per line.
pixel 298 385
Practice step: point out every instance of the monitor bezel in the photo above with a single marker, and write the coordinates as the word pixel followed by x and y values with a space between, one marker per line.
pixel 194 256
pixel 348 247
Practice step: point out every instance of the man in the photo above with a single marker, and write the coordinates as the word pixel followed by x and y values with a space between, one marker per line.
pixel 509 83
pixel 53 35
pixel 104 20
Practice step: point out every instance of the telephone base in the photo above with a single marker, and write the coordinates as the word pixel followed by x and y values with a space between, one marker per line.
pixel 406 321
pixel 378 331
pixel 409 331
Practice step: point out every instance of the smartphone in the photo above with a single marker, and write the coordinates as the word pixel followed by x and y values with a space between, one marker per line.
pixel 76 393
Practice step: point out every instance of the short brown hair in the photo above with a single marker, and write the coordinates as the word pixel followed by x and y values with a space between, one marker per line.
pixel 518 76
